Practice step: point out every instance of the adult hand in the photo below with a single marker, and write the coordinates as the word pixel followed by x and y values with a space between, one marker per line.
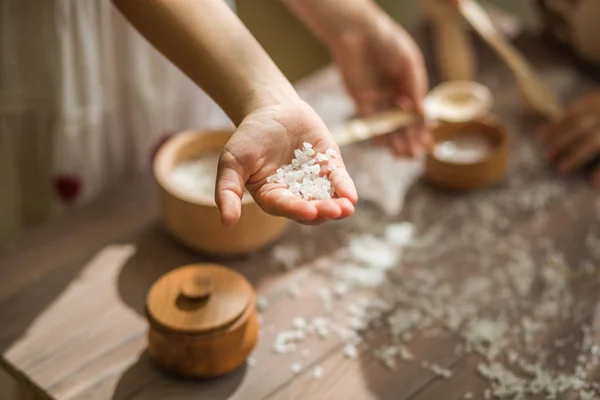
pixel 383 69
pixel 574 141
pixel 265 141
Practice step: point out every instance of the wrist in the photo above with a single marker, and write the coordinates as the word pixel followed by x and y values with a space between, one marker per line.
pixel 356 25
pixel 263 96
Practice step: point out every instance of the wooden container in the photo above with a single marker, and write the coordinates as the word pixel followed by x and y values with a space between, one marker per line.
pixel 195 220
pixel 469 175
pixel 203 320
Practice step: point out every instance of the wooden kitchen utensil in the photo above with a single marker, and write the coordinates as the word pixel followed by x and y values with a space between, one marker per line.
pixel 535 92
pixel 453 49
pixel 451 101
pixel 202 319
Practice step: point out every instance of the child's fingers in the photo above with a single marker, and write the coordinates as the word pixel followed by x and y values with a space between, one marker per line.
pixel 596 177
pixel 582 153
pixel 567 138
pixel 342 183
pixel 231 178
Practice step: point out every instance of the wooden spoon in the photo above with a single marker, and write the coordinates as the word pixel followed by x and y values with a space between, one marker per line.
pixel 454 101
pixel 452 46
pixel 535 92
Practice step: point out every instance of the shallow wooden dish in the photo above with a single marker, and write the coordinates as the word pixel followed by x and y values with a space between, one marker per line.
pixel 202 321
pixel 195 220
pixel 465 176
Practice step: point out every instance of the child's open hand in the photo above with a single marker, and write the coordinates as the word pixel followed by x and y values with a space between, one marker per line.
pixel 265 141
pixel 574 141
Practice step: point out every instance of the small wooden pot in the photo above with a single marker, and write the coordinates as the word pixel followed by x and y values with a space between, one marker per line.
pixel 464 176
pixel 195 220
pixel 203 321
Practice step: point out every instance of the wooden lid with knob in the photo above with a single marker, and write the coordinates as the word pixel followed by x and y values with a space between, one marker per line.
pixel 199 298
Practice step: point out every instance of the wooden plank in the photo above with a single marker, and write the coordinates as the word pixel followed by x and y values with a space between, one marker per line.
pixel 65 241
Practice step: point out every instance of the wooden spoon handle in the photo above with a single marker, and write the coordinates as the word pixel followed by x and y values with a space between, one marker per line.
pixel 534 90
pixel 453 50
pixel 360 129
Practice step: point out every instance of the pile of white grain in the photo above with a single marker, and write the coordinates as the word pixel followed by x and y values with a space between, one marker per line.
pixel 305 177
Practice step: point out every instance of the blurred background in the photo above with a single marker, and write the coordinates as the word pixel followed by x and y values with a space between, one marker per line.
pixel 298 54
pixel 276 29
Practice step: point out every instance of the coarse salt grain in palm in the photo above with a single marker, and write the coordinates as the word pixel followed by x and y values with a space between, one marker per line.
pixel 303 175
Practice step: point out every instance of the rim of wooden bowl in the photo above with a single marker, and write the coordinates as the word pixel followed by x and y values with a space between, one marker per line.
pixel 490 123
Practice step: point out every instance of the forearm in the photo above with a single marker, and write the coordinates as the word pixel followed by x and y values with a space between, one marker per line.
pixel 334 20
pixel 209 43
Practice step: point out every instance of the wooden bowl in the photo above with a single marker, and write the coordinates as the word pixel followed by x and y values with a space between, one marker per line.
pixel 203 321
pixel 195 220
pixel 486 171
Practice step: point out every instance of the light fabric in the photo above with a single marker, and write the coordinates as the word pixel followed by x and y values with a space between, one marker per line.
pixel 82 95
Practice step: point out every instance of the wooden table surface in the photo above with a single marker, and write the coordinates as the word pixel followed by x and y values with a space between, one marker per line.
pixel 72 293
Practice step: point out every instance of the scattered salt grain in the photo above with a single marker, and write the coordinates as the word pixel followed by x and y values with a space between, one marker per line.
pixel 251 361
pixel 285 341
pixel 585 395
pixel 302 175
pixel 350 352
pixel 440 371
pixel 468 395
pixel 287 256
pixel 262 304
pixel 387 355
pixel 296 368
pixel 399 234
pixel 299 323
pixel 318 372
pixel 405 354
pixel 340 288
pixel 372 251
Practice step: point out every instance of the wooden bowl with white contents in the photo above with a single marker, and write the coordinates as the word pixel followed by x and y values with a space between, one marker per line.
pixel 191 215
pixel 202 320
pixel 468 155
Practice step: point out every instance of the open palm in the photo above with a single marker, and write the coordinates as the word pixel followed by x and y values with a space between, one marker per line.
pixel 265 141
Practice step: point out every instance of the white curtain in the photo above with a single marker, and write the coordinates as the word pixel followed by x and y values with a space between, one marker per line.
pixel 83 99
